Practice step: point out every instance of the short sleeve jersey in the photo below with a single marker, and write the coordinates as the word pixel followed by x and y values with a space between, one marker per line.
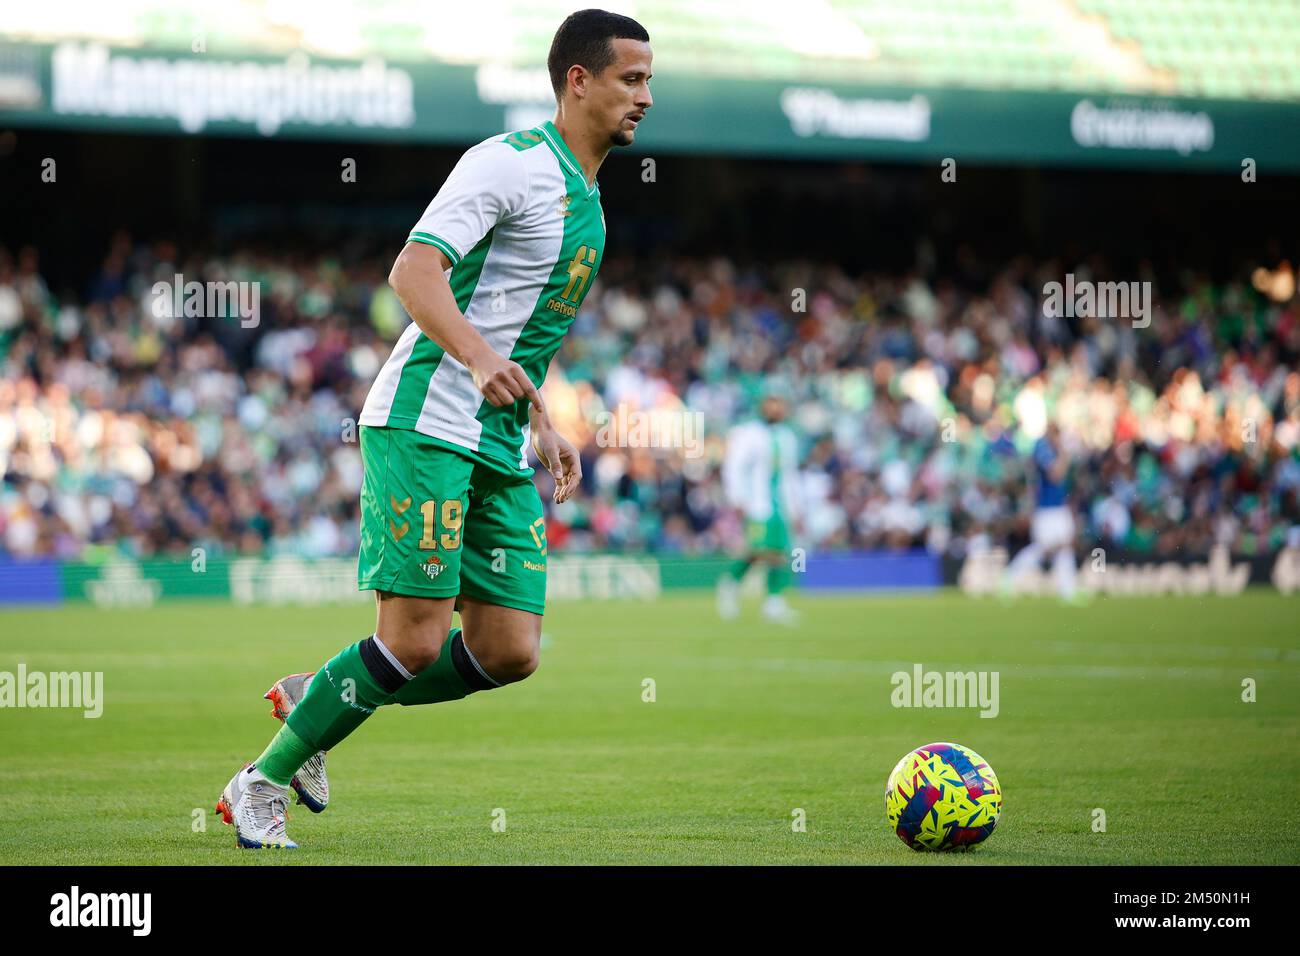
pixel 525 235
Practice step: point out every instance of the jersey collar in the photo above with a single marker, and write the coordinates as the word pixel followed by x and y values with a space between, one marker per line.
pixel 568 161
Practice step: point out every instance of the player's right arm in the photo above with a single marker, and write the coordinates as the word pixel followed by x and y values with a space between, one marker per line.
pixel 487 186
pixel 419 278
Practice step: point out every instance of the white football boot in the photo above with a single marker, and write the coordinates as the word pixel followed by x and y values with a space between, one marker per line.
pixel 778 612
pixel 256 808
pixel 310 782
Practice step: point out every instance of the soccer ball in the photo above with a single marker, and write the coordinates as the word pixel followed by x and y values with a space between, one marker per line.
pixel 943 797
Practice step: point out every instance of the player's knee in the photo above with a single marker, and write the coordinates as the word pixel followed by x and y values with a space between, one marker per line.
pixel 421 658
pixel 418 657
pixel 516 664
pixel 414 647
pixel 528 663
pixel 412 629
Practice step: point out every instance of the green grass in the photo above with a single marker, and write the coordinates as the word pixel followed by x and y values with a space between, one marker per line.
pixel 1131 705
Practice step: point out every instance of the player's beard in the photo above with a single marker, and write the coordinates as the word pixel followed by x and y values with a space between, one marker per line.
pixel 621 137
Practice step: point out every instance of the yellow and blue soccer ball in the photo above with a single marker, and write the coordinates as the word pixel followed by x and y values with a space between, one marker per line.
pixel 943 797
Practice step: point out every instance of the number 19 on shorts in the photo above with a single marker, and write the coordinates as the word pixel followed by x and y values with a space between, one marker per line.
pixel 442 523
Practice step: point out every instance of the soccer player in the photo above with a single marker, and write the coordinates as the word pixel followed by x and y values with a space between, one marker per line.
pixel 1051 532
pixel 760 477
pixel 492 277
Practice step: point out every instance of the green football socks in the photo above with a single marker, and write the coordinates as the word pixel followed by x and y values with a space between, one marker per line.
pixel 283 756
pixel 344 692
pixel 352 685
pixel 778 578
pixel 455 674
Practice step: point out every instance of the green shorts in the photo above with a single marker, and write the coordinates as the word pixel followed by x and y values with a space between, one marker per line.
pixel 438 523
pixel 770 535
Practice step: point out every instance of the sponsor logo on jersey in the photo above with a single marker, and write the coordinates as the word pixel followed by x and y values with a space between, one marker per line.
pixel 580 270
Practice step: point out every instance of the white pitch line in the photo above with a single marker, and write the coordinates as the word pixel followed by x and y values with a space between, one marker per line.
pixel 1113 671
pixel 1204 651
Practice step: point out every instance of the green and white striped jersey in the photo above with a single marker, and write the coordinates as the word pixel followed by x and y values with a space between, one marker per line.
pixel 525 235
pixel 760 470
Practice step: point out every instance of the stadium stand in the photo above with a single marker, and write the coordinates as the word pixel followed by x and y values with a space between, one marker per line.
pixel 917 398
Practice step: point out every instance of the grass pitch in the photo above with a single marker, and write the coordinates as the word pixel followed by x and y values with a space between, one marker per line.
pixel 1132 706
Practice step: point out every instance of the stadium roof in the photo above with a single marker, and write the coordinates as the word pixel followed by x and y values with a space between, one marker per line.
pixel 1234 49
pixel 1180 84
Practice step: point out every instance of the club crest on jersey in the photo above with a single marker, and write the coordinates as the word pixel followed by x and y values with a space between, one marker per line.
pixel 564 207
pixel 432 566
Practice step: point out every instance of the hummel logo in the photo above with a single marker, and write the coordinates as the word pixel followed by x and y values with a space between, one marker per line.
pixel 399 507
pixel 564 207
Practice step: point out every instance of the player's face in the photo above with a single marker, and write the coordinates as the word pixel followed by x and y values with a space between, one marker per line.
pixel 620 96
pixel 774 409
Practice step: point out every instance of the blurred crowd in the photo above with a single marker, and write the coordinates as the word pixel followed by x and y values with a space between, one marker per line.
pixel 917 398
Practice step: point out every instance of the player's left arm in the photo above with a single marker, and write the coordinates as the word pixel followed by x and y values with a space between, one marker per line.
pixel 556 453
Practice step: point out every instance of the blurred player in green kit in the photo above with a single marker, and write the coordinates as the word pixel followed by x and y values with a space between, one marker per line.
pixel 760 475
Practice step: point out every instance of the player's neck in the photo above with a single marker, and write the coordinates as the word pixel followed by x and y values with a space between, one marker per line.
pixel 589 151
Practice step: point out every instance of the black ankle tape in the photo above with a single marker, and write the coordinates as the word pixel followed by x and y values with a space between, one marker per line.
pixel 465 666
pixel 381 669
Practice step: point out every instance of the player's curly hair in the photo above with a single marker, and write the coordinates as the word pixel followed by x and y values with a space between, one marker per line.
pixel 583 38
